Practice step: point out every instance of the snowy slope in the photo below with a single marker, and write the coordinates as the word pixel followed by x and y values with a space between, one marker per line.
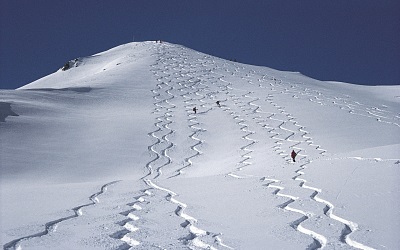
pixel 110 155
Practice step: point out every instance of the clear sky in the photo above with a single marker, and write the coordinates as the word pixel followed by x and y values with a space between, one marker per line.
pixel 355 41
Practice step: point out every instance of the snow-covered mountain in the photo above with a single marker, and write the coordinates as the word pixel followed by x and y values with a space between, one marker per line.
pixel 107 153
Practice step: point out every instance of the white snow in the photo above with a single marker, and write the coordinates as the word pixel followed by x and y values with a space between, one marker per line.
pixel 110 155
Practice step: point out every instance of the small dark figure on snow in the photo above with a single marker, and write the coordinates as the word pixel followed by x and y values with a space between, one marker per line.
pixel 293 154
pixel 195 110
pixel 219 105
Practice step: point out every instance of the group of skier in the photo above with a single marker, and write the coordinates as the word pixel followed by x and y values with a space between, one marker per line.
pixel 195 108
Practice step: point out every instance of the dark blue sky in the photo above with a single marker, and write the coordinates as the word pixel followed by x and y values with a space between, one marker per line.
pixel 354 41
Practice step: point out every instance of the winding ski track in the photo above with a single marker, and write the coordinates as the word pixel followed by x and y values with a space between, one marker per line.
pixel 167 115
pixel 51 226
pixel 250 108
pixel 287 133
pixel 349 226
pixel 193 239
pixel 320 240
pixel 179 74
pixel 243 126
pixel 344 103
pixel 193 124
pixel 164 108
pixel 127 235
pixel 284 138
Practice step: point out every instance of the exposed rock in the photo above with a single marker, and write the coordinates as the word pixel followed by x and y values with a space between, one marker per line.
pixel 70 64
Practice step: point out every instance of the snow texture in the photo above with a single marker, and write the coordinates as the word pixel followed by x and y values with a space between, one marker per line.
pixel 109 154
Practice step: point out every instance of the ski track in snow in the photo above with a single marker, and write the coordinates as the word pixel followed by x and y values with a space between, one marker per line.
pixel 51 226
pixel 344 103
pixel 193 124
pixel 248 108
pixel 243 126
pixel 163 119
pixel 193 80
pixel 164 107
pixel 127 234
pixel 350 226
pixel 195 233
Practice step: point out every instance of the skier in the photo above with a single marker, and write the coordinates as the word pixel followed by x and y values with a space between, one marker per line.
pixel 219 105
pixel 195 110
pixel 293 154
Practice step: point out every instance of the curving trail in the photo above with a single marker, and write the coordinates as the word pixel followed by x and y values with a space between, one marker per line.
pixel 195 233
pixel 173 76
pixel 189 103
pixel 320 241
pixel 241 144
pixel 127 234
pixel 51 226
pixel 343 102
pixel 287 134
pixel 164 107
pixel 249 108
pixel 349 226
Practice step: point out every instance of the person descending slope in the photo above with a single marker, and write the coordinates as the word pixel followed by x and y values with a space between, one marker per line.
pixel 293 155
pixel 219 105
pixel 195 110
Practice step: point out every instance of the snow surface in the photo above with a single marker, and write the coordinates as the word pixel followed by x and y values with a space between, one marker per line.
pixel 110 155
